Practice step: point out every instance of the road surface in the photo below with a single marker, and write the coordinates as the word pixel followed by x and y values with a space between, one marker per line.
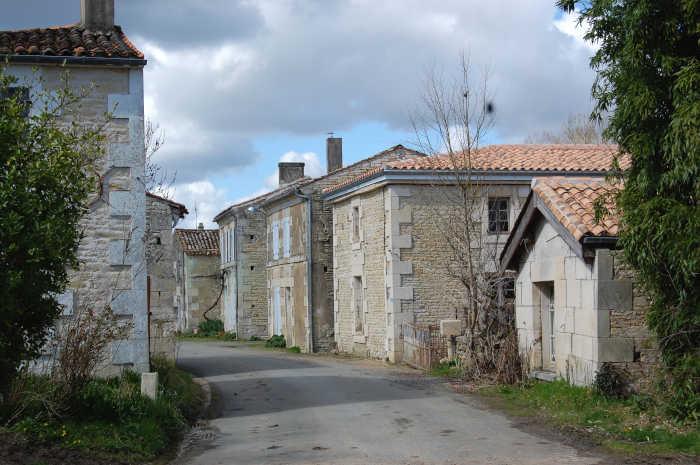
pixel 279 408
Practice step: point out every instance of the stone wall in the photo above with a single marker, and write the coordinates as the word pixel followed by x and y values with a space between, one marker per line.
pixel 599 313
pixel 251 276
pixel 112 256
pixel 628 320
pixel 322 240
pixel 417 284
pixel 363 258
pixel 286 275
pixel 200 289
pixel 160 260
pixel 422 281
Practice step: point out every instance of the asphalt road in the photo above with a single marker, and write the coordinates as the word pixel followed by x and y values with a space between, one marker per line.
pixel 279 408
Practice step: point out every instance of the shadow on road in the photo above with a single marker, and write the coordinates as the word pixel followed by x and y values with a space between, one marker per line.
pixel 277 394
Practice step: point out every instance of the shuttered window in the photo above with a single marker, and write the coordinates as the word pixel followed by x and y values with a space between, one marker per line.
pixel 286 237
pixel 275 240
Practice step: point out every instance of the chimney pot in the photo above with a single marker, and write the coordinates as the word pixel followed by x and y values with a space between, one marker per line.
pixel 290 171
pixel 97 15
pixel 200 226
pixel 334 153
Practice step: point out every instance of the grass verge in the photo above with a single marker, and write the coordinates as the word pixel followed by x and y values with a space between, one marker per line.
pixel 109 418
pixel 631 426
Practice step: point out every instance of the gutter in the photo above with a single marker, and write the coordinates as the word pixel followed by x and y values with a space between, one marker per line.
pixel 447 176
pixel 309 269
pixel 599 242
pixel 72 60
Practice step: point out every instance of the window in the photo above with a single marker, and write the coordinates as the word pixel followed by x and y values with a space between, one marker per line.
pixel 286 237
pixel 231 245
pixel 498 215
pixel 21 94
pixel 276 312
pixel 357 295
pixel 222 240
pixel 275 240
pixel 356 224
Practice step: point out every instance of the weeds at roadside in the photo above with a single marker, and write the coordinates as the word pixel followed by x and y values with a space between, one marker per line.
pixel 631 425
pixel 107 418
pixel 276 342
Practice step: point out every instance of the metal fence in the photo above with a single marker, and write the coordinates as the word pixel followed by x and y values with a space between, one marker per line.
pixel 423 346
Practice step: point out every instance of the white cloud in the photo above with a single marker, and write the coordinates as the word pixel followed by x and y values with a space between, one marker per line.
pixel 203 201
pixel 568 24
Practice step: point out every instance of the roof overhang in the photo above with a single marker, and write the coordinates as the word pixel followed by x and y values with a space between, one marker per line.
pixel 534 209
pixel 403 176
pixel 73 60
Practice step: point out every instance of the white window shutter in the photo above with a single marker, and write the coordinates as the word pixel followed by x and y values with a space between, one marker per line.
pixel 275 240
pixel 286 238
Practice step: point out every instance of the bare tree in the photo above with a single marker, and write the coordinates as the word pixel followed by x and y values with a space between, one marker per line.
pixel 456 118
pixel 157 179
pixel 578 129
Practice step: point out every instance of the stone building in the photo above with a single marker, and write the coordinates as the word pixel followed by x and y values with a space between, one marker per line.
pixel 577 305
pixel 391 258
pixel 162 215
pixel 300 253
pixel 198 287
pixel 242 235
pixel 96 54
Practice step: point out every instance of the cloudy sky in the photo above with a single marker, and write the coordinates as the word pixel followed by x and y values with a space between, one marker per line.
pixel 238 85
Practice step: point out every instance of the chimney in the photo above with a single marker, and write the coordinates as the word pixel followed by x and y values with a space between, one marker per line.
pixel 200 226
pixel 290 171
pixel 97 15
pixel 334 153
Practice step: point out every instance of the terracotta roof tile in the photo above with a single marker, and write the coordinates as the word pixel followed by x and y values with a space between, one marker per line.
pixel 572 202
pixel 199 241
pixel 68 41
pixel 569 158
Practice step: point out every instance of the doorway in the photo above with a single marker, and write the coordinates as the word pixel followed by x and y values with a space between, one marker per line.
pixel 548 326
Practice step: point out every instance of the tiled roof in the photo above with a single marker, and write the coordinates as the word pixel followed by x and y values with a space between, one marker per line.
pixel 572 202
pixel 68 41
pixel 569 158
pixel 199 241
pixel 178 206
pixel 370 171
pixel 261 199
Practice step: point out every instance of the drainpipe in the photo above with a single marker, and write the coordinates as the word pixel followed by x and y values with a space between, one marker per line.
pixel 235 272
pixel 309 269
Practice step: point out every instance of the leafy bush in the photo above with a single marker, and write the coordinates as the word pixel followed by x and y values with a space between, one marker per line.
pixel 46 159
pixel 294 350
pixel 177 386
pixel 229 336
pixel 106 415
pixel 210 328
pixel 276 342
pixel 648 88
pixel 611 382
pixel 254 338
